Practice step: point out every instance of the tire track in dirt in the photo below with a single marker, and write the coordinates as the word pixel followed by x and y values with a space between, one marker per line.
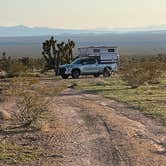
pixel 101 136
pixel 104 149
pixel 95 134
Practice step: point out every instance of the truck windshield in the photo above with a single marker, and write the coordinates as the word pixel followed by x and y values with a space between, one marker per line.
pixel 76 61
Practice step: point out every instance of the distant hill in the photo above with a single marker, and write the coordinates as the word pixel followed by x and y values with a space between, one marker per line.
pixel 20 30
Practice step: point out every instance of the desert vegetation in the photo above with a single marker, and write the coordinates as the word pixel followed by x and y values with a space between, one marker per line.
pixel 27 115
pixel 137 71
pixel 54 54
pixel 12 67
pixel 27 119
pixel 140 82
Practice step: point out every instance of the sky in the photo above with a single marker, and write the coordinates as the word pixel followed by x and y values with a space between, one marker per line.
pixel 83 14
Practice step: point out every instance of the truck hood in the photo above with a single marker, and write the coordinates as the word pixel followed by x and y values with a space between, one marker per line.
pixel 66 65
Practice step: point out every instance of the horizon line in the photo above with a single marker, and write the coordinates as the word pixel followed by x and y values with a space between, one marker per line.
pixel 95 28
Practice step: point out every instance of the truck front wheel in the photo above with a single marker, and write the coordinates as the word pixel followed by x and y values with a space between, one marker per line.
pixel 75 74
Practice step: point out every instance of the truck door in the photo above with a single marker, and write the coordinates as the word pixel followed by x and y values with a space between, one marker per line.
pixel 90 66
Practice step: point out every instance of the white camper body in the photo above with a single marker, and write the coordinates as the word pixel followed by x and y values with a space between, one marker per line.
pixel 106 54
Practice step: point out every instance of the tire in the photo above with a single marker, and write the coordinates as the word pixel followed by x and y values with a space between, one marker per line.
pixel 64 76
pixel 75 74
pixel 107 72
pixel 97 75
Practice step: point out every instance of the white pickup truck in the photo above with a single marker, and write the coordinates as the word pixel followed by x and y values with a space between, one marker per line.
pixel 92 61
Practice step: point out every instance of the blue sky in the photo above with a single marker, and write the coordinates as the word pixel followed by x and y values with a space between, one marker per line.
pixel 76 14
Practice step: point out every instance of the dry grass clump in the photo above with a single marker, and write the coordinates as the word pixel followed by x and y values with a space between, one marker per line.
pixel 30 107
pixel 28 115
pixel 50 90
pixel 20 84
pixel 13 154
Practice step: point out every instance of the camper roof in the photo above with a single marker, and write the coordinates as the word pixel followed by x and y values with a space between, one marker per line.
pixel 98 47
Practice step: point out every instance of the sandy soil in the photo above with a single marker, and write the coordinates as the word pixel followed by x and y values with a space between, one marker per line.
pixel 89 130
pixel 101 132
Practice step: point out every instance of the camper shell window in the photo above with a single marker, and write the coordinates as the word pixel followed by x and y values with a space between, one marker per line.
pixel 111 50
pixel 96 50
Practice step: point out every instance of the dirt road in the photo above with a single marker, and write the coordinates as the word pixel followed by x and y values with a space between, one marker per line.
pixel 101 132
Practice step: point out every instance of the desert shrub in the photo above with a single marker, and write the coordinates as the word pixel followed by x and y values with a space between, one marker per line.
pixel 4 62
pixel 32 63
pixel 136 73
pixel 30 107
pixel 15 69
pixel 18 85
pixel 14 66
pixel 37 63
pixel 161 57
pixel 14 154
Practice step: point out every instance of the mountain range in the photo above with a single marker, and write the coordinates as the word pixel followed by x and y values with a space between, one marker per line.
pixel 21 30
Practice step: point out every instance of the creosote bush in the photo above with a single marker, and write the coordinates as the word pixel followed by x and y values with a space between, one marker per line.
pixel 30 107
pixel 136 73
pixel 13 67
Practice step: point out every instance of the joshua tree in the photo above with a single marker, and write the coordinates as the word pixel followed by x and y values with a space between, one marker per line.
pixel 60 54
pixel 50 53
pixel 56 54
pixel 71 45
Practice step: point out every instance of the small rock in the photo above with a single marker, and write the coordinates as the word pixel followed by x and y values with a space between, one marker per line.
pixel 4 115
pixel 3 74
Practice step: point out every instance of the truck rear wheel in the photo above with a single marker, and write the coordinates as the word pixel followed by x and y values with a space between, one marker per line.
pixel 107 72
pixel 75 74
